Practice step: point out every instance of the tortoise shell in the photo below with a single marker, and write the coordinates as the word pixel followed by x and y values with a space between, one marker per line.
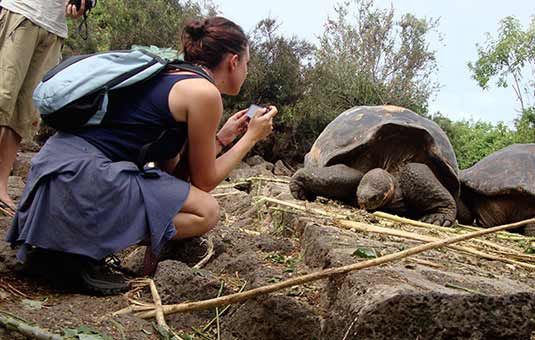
pixel 367 137
pixel 509 170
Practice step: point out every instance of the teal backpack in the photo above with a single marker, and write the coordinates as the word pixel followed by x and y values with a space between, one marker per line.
pixel 75 93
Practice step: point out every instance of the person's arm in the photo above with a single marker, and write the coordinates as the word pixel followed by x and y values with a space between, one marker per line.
pixel 204 109
pixel 233 127
pixel 259 127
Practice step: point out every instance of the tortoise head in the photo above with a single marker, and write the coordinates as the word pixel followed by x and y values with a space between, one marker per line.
pixel 376 189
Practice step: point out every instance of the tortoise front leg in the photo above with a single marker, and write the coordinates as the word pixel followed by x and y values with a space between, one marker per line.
pixel 464 212
pixel 338 182
pixel 424 194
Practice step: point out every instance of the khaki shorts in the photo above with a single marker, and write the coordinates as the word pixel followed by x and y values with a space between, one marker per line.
pixel 27 52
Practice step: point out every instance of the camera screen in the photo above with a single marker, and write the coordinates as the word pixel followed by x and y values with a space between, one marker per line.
pixel 252 110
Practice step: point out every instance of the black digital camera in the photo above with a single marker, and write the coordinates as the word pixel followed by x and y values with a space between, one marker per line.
pixel 88 4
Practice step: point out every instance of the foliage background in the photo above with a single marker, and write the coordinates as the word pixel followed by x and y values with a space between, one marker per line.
pixel 365 56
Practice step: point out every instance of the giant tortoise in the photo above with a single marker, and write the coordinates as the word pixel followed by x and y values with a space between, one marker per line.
pixel 500 188
pixel 383 157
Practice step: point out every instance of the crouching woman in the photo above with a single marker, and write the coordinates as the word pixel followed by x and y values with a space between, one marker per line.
pixel 86 198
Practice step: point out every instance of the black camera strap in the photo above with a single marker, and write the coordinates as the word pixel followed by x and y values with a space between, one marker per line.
pixel 84 32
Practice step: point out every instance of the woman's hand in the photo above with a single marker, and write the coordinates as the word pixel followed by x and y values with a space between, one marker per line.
pixel 70 10
pixel 261 125
pixel 235 125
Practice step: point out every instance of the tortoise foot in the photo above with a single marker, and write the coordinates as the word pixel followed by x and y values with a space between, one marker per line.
pixel 437 219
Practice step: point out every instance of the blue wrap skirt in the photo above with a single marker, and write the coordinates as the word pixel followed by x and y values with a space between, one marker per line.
pixel 77 200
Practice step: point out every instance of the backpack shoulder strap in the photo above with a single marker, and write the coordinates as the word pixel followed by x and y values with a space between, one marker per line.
pixel 186 66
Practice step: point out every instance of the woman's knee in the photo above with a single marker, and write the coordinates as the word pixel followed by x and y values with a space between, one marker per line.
pixel 210 212
pixel 204 206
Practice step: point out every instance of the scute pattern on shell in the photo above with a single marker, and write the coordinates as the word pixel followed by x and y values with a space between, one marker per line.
pixel 357 126
pixel 509 170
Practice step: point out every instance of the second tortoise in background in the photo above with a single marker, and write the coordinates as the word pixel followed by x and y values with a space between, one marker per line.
pixel 383 158
pixel 500 188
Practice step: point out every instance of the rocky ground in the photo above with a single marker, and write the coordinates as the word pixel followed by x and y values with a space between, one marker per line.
pixel 263 239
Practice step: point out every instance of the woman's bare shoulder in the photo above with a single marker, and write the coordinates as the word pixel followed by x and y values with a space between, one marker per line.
pixel 191 95
pixel 197 88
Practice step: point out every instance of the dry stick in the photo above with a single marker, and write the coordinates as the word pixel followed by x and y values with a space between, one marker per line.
pixel 7 212
pixel 222 312
pixel 388 216
pixel 412 236
pixel 23 328
pixel 524 257
pixel 238 297
pixel 160 319
pixel 228 193
pixel 408 221
pixel 218 325
pixel 249 232
pixel 504 234
pixel 243 181
pixel 209 254
pixel 299 207
pixel 141 306
pixel 267 179
pixel 18 292
pixel 9 288
pixel 425 262
pixel 132 309
pixel 501 249
pixel 157 305
pixel 230 185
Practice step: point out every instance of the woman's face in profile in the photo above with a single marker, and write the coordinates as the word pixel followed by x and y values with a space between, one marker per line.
pixel 239 73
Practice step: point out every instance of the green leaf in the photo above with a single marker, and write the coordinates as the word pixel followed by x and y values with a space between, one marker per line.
pixel 365 253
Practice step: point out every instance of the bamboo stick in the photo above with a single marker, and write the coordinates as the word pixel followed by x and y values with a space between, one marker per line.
pixel 231 185
pixel 223 194
pixel 243 181
pixel 301 208
pixel 414 222
pixel 267 179
pixel 425 262
pixel 238 297
pixel 160 320
pixel 417 237
pixel 133 309
pixel 7 212
pixel 501 249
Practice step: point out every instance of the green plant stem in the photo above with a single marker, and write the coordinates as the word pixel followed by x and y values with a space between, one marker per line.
pixel 25 329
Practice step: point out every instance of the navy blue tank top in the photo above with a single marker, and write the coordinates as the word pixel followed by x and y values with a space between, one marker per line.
pixel 137 116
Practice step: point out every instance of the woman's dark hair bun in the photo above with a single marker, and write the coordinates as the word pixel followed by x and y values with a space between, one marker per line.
pixel 195 29
pixel 205 42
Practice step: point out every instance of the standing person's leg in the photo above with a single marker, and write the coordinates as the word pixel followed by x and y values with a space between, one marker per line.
pixel 9 143
pixel 27 52
pixel 14 64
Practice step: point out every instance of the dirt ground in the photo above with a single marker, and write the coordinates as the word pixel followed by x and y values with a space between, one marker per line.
pixel 438 294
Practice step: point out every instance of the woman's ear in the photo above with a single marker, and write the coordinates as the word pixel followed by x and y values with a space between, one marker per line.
pixel 234 61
